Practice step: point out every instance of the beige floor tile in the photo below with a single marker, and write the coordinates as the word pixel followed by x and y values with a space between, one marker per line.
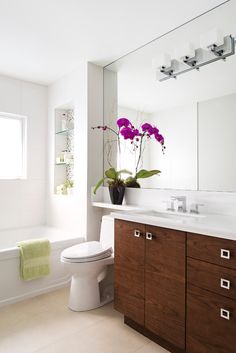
pixel 44 324
pixel 152 348
pixel 16 314
pixel 107 336
pixel 41 330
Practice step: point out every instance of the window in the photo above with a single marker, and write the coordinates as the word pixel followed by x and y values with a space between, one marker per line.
pixel 12 146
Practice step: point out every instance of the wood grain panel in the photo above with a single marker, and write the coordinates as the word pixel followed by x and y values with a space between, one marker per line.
pixel 165 284
pixel 160 341
pixel 208 249
pixel 208 276
pixel 129 270
pixel 207 332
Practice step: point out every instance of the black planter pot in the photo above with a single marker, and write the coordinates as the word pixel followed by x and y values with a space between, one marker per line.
pixel 117 194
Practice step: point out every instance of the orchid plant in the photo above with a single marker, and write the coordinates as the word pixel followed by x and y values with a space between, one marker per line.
pixel 137 138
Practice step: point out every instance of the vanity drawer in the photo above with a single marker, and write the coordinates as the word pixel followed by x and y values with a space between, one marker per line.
pixel 211 322
pixel 214 250
pixel 218 279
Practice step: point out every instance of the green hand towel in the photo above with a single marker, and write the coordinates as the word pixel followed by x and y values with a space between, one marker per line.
pixel 34 258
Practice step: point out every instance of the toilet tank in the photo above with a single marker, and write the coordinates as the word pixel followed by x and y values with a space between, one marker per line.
pixel 107 231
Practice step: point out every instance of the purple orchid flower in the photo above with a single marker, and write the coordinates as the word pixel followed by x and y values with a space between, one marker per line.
pixel 159 138
pixel 123 122
pixel 129 133
pixel 149 129
pixel 146 127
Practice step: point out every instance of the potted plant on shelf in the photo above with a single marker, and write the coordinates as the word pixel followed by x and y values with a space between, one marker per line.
pixel 115 183
pixel 69 186
pixel 137 137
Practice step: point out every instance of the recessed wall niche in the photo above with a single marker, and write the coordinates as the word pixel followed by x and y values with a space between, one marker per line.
pixel 64 151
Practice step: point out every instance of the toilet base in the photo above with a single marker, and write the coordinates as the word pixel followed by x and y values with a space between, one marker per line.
pixel 85 294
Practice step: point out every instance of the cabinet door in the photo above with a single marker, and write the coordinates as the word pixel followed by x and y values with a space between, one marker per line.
pixel 129 270
pixel 211 322
pixel 165 284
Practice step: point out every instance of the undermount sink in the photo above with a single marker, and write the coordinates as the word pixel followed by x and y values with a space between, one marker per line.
pixel 180 214
pixel 168 215
pixel 159 215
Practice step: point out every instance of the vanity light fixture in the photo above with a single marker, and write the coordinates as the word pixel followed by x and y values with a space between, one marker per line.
pixel 164 64
pixel 214 47
pixel 189 57
pixel 211 39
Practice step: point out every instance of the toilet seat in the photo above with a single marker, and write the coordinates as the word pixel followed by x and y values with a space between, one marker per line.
pixel 86 252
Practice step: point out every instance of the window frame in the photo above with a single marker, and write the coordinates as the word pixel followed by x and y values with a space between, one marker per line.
pixel 23 120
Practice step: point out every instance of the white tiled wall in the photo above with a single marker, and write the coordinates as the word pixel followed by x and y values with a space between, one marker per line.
pixel 22 202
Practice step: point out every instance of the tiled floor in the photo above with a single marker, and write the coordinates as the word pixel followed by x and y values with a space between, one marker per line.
pixel 45 325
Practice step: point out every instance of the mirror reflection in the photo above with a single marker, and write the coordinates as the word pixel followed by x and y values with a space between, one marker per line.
pixel 195 113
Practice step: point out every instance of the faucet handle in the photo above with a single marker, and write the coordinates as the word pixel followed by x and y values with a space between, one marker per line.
pixel 195 207
pixel 182 203
pixel 170 204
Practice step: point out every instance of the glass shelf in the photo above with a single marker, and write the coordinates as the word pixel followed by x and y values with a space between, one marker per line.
pixel 63 163
pixel 64 132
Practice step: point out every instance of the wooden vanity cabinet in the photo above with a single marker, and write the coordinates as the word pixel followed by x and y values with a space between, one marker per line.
pixel 165 284
pixel 129 270
pixel 207 330
pixel 211 295
pixel 150 279
pixel 152 267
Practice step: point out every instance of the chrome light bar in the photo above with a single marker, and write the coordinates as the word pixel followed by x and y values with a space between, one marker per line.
pixel 201 58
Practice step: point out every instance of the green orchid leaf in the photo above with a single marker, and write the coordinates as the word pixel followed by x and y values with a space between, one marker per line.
pixel 111 173
pixel 129 180
pixel 124 171
pixel 143 173
pixel 99 183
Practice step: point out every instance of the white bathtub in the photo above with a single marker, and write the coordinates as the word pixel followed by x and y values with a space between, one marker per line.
pixel 12 288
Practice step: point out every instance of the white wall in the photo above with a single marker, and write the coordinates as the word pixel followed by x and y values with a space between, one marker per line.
pixel 94 145
pixel 217 144
pixel 179 164
pixel 110 116
pixel 22 202
pixel 83 90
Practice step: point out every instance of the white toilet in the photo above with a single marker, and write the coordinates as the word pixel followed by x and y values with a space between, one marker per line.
pixel 87 262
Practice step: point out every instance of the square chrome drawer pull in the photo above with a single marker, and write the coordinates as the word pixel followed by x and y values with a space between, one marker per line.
pixel 225 283
pixel 225 314
pixel 225 254
pixel 137 233
pixel 148 236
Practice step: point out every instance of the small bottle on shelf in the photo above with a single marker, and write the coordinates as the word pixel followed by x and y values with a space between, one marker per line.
pixel 64 124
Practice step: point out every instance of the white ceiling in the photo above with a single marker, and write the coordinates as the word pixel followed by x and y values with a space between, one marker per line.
pixel 41 40
pixel 137 85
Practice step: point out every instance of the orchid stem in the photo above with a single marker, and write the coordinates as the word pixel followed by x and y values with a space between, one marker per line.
pixel 140 153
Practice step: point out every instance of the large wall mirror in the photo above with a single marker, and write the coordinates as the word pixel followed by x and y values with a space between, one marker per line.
pixel 196 112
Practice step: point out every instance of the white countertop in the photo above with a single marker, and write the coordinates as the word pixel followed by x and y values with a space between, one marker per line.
pixel 211 225
pixel 111 206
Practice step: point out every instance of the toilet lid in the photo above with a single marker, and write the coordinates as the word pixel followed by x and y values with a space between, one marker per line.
pixel 88 250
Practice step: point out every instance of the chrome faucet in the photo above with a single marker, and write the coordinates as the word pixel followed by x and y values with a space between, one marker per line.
pixel 195 208
pixel 171 205
pixel 182 203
